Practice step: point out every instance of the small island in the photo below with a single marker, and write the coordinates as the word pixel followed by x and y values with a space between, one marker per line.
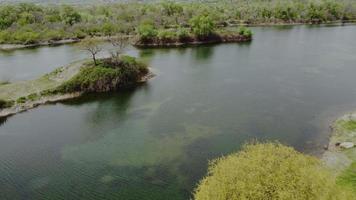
pixel 87 76
pixel 202 30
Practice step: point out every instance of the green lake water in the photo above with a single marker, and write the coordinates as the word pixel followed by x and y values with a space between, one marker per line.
pixel 154 141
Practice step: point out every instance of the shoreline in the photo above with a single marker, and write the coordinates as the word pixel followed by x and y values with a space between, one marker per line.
pixel 338 155
pixel 194 42
pixel 43 100
pixel 271 24
pixel 19 108
pixel 10 47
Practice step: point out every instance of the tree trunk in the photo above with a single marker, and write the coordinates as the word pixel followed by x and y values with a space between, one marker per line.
pixel 94 59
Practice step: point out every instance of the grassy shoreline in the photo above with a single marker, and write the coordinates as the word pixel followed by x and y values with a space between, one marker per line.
pixel 70 82
pixel 341 153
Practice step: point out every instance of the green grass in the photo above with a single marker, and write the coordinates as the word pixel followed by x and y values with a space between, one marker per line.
pixel 349 125
pixel 344 130
pixel 348 178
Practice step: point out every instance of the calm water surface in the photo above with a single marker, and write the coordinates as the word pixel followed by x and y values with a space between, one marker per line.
pixel 154 141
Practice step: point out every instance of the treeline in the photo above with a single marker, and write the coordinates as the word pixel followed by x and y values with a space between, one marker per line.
pixel 29 23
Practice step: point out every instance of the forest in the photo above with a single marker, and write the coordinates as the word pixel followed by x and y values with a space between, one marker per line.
pixel 28 23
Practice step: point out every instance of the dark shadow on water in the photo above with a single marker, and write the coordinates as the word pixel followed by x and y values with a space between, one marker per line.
pixel 144 53
pixel 203 53
pixel 3 121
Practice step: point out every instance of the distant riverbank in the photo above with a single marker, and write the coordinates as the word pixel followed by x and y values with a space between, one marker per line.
pixel 7 47
pixel 32 25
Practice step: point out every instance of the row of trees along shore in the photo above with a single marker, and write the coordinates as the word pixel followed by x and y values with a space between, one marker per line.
pixel 27 23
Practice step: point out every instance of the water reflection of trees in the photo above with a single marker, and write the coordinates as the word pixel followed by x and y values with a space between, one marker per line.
pixel 110 108
pixel 203 53
pixel 3 121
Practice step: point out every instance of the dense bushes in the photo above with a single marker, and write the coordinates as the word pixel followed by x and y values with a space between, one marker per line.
pixel 146 32
pixel 106 76
pixel 201 33
pixel 202 26
pixel 100 20
pixel 5 104
pixel 245 31
pixel 269 171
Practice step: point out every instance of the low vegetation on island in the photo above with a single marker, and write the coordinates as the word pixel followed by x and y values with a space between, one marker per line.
pixel 97 75
pixel 202 30
pixel 270 171
pixel 27 23
pixel 106 75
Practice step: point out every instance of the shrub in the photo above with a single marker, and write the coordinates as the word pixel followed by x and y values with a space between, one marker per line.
pixel 245 31
pixel 70 16
pixel 5 104
pixel 53 35
pixel 202 26
pixel 131 62
pixel 26 36
pixel 79 34
pixel 147 32
pixel 26 18
pixel 316 13
pixel 33 97
pixel 108 29
pixel 166 35
pixel 21 100
pixel 6 36
pixel 8 16
pixel 269 171
pixel 182 33
pixel 104 77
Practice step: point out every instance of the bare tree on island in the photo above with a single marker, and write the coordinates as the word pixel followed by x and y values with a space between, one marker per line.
pixel 92 46
pixel 119 42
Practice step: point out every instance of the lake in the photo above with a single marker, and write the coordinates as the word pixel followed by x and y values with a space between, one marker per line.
pixel 155 141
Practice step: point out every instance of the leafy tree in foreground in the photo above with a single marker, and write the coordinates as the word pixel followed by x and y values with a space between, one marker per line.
pixel 269 171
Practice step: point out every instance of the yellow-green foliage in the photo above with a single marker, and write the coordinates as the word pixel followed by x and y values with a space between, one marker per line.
pixel 348 177
pixel 269 171
pixel 349 125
